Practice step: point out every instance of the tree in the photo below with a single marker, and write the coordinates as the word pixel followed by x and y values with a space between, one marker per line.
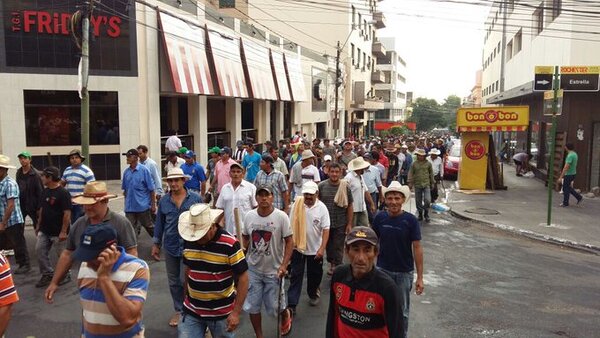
pixel 399 131
pixel 449 108
pixel 427 114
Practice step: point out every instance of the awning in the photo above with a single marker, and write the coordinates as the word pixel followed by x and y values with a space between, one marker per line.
pixel 280 77
pixel 294 71
pixel 228 64
pixel 258 65
pixel 185 47
pixel 493 128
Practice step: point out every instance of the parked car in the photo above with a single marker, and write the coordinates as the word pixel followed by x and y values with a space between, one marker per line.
pixel 452 161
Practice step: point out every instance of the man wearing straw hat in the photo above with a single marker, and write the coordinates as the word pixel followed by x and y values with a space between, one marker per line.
pixel 216 275
pixel 95 204
pixel 360 193
pixel 11 219
pixel 438 171
pixel 303 172
pixel 420 177
pixel 400 247
pixel 170 207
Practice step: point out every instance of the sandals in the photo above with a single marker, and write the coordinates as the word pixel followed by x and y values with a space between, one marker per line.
pixel 286 327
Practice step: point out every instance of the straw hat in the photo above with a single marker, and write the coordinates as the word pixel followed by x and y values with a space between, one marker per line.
pixel 175 173
pixel 5 162
pixel 358 164
pixel 397 187
pixel 434 151
pixel 420 152
pixel 196 222
pixel 307 154
pixel 93 192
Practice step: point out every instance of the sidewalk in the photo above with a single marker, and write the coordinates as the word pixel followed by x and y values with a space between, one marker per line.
pixel 522 209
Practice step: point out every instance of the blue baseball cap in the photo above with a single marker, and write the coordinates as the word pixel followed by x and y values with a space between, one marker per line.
pixel 94 240
pixel 189 154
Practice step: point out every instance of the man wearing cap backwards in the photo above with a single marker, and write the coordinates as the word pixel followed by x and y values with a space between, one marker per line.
pixel 11 219
pixel 360 193
pixel 222 169
pixel 140 197
pixel 74 178
pixel 53 224
pixel 30 187
pixel 112 285
pixel 251 162
pixel 363 300
pixel 310 225
pixel 420 178
pixel 268 238
pixel 216 275
pixel 166 235
pixel 149 163
pixel 95 203
pixel 268 175
pixel 400 247
pixel 438 171
pixel 303 172
pixel 238 194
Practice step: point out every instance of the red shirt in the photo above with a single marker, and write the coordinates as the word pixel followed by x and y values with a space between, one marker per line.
pixel 384 160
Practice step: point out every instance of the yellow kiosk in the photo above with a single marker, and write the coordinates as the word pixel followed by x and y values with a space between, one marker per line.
pixel 475 125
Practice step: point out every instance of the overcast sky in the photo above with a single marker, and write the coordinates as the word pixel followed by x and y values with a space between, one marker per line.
pixel 441 42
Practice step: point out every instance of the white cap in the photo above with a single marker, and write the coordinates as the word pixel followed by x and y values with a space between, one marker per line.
pixel 327 158
pixel 310 187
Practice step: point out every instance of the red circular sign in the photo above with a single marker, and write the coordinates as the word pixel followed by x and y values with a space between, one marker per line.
pixel 491 116
pixel 474 150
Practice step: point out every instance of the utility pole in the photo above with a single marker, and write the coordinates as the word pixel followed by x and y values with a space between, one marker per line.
pixel 555 88
pixel 84 73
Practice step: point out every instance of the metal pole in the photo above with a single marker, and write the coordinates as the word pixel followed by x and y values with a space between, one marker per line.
pixel 337 90
pixel 555 88
pixel 85 95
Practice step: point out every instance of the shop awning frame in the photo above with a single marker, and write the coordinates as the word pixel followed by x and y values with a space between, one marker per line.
pixel 226 55
pixel 257 64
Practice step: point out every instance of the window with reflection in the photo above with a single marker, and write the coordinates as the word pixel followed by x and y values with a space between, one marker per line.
pixel 533 144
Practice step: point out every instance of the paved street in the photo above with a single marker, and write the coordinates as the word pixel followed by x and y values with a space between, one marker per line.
pixel 479 282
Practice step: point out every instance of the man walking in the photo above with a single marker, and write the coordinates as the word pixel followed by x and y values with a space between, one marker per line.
pixel 112 285
pixel 74 178
pixel 268 238
pixel 310 225
pixel 303 172
pixel 53 224
pixel 372 177
pixel 11 219
pixel 437 164
pixel 400 249
pixel 363 300
pixel 222 169
pixel 30 187
pixel 360 193
pixel 193 169
pixel 278 163
pixel 346 155
pixel 275 179
pixel 216 275
pixel 236 197
pixel 420 178
pixel 140 197
pixel 173 161
pixel 567 175
pixel 251 162
pixel 166 235
pixel 149 163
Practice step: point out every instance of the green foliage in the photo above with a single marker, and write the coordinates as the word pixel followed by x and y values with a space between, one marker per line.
pixel 429 114
pixel 399 131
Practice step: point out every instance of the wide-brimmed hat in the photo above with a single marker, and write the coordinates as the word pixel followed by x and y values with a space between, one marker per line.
pixel 175 173
pixel 306 154
pixel 397 187
pixel 195 223
pixel 358 164
pixel 76 152
pixel 93 192
pixel 434 151
pixel 5 162
pixel 420 152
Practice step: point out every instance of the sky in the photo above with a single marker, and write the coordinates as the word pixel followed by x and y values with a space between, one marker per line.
pixel 440 41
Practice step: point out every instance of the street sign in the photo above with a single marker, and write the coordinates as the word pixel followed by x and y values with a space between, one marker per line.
pixel 580 78
pixel 549 100
pixel 543 78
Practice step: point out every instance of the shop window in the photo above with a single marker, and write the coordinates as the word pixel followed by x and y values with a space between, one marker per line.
pixel 53 118
pixel 533 143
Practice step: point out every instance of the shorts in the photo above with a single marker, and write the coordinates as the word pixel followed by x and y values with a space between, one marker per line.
pixel 264 289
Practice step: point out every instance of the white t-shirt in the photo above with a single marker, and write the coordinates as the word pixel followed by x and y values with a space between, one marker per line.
pixel 309 173
pixel 357 187
pixel 243 198
pixel 317 220
pixel 438 166
pixel 267 240
pixel 173 143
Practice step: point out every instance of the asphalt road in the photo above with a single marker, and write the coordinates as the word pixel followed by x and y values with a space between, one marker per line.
pixel 478 283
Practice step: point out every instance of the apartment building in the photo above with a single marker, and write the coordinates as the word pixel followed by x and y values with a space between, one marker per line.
pixel 521 35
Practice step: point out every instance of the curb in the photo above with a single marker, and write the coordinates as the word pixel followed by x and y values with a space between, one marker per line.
pixel 588 248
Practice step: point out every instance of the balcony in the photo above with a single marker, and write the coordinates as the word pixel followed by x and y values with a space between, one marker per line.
pixel 377 76
pixel 378 49
pixel 379 19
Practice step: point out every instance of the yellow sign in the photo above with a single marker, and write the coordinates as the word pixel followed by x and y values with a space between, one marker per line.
pixel 544 69
pixel 580 70
pixel 492 118
pixel 549 95
pixel 473 161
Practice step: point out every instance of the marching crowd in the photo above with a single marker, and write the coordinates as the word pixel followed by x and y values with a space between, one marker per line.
pixel 232 233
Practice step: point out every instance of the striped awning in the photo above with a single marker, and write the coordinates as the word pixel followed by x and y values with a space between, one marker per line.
pixel 280 76
pixel 185 47
pixel 294 71
pixel 259 69
pixel 493 128
pixel 228 64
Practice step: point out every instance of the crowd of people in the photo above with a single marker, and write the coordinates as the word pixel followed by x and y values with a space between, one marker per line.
pixel 233 233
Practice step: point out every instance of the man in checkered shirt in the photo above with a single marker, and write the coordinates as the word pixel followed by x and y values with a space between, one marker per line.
pixel 268 176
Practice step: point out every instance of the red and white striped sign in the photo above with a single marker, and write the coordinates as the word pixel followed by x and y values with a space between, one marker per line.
pixel 294 71
pixel 493 128
pixel 280 76
pixel 259 69
pixel 228 64
pixel 185 47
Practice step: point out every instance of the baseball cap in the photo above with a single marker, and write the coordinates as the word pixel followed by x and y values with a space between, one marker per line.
pixel 94 240
pixel 25 154
pixel 51 172
pixel 189 154
pixel 236 165
pixel 266 188
pixel 327 158
pixel 214 150
pixel 310 187
pixel 183 150
pixel 132 152
pixel 226 150
pixel 362 233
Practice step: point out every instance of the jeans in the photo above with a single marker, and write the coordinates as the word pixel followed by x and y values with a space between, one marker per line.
pixel 15 234
pixel 314 274
pixel 192 327
pixel 264 289
pixel 76 212
pixel 360 218
pixel 31 213
pixel 175 277
pixel 42 248
pixel 404 281
pixel 423 199
pixel 568 190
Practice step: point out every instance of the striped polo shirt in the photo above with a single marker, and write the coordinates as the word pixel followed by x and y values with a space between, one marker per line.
pixel 131 276
pixel 76 178
pixel 8 293
pixel 210 278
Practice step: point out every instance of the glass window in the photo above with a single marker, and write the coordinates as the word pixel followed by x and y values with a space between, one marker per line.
pixel 53 118
pixel 533 143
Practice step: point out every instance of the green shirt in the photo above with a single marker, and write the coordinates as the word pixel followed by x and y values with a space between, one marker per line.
pixel 421 174
pixel 572 161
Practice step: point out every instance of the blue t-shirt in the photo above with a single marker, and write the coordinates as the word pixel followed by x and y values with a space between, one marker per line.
pixel 252 165
pixel 196 173
pixel 396 235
